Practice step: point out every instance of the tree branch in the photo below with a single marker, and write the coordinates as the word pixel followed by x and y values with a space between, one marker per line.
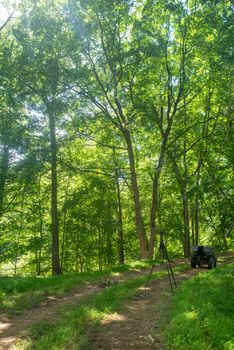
pixel 7 20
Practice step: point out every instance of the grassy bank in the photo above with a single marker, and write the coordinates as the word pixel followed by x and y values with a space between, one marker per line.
pixel 74 325
pixel 202 315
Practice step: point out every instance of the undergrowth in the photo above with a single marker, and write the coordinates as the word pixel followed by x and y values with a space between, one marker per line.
pixel 202 314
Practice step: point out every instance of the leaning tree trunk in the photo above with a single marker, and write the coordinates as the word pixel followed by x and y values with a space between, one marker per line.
pixel 56 269
pixel 136 196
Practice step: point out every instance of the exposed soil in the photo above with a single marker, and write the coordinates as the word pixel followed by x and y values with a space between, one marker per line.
pixel 137 327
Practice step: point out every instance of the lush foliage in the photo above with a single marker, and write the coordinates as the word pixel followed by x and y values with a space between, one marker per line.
pixel 203 312
pixel 116 130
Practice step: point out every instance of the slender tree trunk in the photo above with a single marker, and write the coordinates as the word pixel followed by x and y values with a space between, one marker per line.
pixel 136 196
pixel 39 253
pixel 153 212
pixel 108 241
pixel 99 248
pixel 186 232
pixel 119 220
pixel 4 165
pixel 197 204
pixel 225 243
pixel 182 182
pixel 40 247
pixel 192 215
pixel 64 234
pixel 77 257
pixel 56 269
pixel 155 194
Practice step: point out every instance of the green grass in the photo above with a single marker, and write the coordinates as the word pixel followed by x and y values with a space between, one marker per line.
pixel 21 293
pixel 74 325
pixel 202 314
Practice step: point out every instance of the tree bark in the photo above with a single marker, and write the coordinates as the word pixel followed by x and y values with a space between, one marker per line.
pixel 100 248
pixel 192 226
pixel 64 228
pixel 119 220
pixel 186 232
pixel 155 199
pixel 39 251
pixel 197 209
pixel 4 165
pixel 56 269
pixel 136 196
pixel 182 182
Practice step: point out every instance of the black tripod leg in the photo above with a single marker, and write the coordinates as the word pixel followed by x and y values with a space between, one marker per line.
pixel 146 285
pixel 169 276
pixel 169 263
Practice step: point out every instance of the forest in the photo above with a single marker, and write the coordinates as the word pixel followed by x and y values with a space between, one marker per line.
pixel 116 131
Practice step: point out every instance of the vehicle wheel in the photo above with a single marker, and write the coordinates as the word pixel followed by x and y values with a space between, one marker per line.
pixel 193 262
pixel 211 263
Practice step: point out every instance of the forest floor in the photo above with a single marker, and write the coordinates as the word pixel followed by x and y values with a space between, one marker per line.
pixel 138 326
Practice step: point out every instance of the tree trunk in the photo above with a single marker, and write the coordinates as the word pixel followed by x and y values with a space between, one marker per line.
pixel 192 225
pixel 136 196
pixel 56 269
pixel 225 243
pixel 186 233
pixel 39 253
pixel 64 233
pixel 197 201
pixel 155 199
pixel 153 212
pixel 4 165
pixel 119 220
pixel 99 248
pixel 196 219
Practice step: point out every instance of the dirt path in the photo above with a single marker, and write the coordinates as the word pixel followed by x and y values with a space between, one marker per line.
pixel 136 328
pixel 12 329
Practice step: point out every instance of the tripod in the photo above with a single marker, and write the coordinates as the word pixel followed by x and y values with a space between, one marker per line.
pixel 162 249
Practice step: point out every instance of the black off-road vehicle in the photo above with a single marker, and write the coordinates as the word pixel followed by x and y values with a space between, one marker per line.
pixel 202 255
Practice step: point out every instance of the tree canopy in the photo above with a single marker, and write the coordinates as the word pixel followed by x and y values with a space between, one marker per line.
pixel 116 131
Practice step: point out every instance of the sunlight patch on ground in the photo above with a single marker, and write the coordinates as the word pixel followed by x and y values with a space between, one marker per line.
pixel 144 288
pixel 6 342
pixel 116 274
pixel 113 318
pixel 191 315
pixel 4 326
